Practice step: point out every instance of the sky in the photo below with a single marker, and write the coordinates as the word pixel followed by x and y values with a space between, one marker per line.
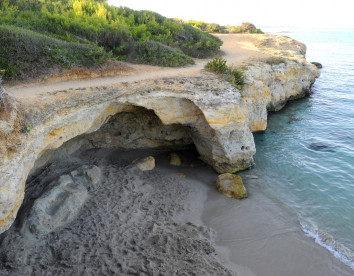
pixel 275 13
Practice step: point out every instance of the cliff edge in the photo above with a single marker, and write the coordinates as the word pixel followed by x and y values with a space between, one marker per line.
pixel 170 108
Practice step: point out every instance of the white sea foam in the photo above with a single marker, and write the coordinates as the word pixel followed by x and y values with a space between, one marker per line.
pixel 327 241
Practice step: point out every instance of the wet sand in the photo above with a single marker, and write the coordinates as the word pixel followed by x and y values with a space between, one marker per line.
pixel 169 221
pixel 258 234
pixel 267 238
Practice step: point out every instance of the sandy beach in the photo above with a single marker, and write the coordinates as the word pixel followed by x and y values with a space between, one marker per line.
pixel 257 234
pixel 169 221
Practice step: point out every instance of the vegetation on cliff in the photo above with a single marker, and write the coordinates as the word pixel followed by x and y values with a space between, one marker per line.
pixel 232 74
pixel 2 92
pixel 36 35
pixel 245 27
pixel 275 60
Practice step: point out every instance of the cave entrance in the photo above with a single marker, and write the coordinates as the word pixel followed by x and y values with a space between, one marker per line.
pixel 65 214
pixel 137 129
pixel 64 175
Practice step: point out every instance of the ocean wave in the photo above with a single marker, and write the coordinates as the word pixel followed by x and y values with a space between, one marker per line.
pixel 325 240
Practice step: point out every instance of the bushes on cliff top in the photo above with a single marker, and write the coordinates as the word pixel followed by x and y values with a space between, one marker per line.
pixel 206 27
pixel 155 53
pixel 236 77
pixel 25 53
pixel 96 26
pixel 232 74
pixel 245 27
pixel 217 65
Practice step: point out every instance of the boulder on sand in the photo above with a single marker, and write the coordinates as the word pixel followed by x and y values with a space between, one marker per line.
pixel 57 206
pixel 145 164
pixel 62 201
pixel 231 185
pixel 175 160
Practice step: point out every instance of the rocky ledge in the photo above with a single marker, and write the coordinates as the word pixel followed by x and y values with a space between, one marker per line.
pixel 177 112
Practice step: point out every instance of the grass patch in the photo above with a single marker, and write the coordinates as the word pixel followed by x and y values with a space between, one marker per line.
pixel 275 60
pixel 233 74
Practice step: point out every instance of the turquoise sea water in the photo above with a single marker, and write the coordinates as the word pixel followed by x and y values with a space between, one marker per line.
pixel 306 155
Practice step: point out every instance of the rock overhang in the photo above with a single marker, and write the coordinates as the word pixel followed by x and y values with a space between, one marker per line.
pixel 219 124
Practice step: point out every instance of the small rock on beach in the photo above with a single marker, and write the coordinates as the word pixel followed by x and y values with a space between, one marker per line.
pixel 145 164
pixel 230 185
pixel 175 160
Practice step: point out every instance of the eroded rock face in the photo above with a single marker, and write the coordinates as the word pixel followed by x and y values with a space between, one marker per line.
pixel 270 87
pixel 138 129
pixel 184 110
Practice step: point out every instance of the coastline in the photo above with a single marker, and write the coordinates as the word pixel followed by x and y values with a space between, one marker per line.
pixel 109 159
pixel 264 236
pixel 201 108
pixel 258 235
pixel 277 245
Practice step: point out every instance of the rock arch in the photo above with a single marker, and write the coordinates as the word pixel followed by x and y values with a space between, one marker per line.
pixel 208 127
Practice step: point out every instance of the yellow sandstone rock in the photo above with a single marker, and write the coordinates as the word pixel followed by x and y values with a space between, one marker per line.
pixel 182 175
pixel 145 164
pixel 151 113
pixel 175 160
pixel 231 185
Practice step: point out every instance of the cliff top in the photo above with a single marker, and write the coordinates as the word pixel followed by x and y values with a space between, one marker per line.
pixel 238 49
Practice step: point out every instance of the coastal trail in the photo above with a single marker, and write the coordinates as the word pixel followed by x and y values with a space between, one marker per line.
pixel 236 49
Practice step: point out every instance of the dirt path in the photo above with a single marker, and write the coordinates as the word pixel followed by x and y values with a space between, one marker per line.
pixel 236 47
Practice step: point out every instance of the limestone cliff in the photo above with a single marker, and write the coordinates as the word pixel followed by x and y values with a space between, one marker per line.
pixel 173 112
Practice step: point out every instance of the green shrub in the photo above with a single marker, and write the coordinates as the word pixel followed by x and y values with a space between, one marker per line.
pixel 196 43
pixel 217 65
pixel 245 27
pixel 275 60
pixel 233 75
pixel 9 70
pixel 236 77
pixel 86 32
pixel 206 27
pixel 27 128
pixel 155 53
pixel 25 53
